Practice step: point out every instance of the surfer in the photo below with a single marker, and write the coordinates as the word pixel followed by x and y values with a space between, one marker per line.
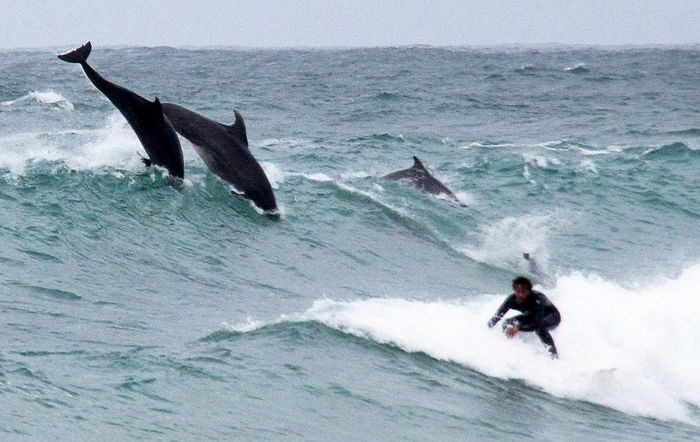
pixel 538 314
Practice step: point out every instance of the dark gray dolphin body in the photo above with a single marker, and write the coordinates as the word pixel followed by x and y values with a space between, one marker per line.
pixel 419 176
pixel 539 276
pixel 224 150
pixel 146 118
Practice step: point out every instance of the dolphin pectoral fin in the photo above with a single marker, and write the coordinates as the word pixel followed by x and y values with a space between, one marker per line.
pixel 146 161
pixel 79 55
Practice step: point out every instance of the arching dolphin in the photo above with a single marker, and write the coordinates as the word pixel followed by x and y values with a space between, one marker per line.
pixel 146 118
pixel 224 150
pixel 421 178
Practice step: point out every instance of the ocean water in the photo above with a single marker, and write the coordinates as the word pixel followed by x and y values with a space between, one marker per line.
pixel 132 307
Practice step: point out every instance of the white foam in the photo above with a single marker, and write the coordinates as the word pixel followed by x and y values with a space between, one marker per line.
pixel 590 166
pixel 354 175
pixel 114 146
pixel 465 198
pixel 45 97
pixel 274 174
pixel 541 161
pixel 502 244
pixel 549 145
pixel 282 143
pixel 321 177
pixel 590 153
pixel 578 67
pixel 476 145
pixel 250 324
pixel 617 148
pixel 631 350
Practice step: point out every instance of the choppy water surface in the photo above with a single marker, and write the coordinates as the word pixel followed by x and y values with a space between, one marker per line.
pixel 135 308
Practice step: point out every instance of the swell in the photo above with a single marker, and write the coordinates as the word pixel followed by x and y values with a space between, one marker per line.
pixel 673 151
pixel 397 216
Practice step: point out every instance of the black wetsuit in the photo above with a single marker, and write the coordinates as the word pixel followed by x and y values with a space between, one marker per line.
pixel 538 315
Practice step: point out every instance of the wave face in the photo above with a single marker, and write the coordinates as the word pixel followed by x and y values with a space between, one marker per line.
pixel 134 306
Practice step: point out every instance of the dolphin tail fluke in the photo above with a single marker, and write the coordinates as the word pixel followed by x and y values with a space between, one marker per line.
pixel 78 55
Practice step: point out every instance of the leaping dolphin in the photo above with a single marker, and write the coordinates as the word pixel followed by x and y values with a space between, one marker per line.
pixel 419 176
pixel 224 150
pixel 146 118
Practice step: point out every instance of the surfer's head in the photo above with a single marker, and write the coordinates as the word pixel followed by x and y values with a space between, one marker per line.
pixel 522 288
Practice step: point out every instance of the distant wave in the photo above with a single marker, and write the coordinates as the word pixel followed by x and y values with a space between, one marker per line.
pixel 282 143
pixel 45 97
pixel 677 150
pixel 380 137
pixel 580 68
pixel 554 145
pixel 487 144
pixel 387 96
pixel 526 69
pixel 55 293
pixel 693 131
pixel 603 79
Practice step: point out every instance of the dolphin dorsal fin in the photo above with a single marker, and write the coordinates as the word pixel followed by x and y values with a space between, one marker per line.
pixel 157 108
pixel 238 127
pixel 417 164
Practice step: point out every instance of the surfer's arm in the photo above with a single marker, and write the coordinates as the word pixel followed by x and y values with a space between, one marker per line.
pixel 502 310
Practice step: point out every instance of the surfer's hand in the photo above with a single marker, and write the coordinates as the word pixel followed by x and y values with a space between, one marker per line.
pixel 511 331
pixel 492 322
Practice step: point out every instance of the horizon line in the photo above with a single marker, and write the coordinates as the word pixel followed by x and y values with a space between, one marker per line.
pixel 543 45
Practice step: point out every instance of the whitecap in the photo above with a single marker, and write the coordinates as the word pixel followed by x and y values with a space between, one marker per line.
pixel 43 97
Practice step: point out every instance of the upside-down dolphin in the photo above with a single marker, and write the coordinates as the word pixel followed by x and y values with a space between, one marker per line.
pixel 419 176
pixel 146 118
pixel 224 150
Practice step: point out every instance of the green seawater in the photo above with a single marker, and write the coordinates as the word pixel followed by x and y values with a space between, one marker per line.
pixel 133 307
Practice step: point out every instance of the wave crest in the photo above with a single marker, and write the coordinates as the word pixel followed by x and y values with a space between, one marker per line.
pixel 612 357
pixel 46 97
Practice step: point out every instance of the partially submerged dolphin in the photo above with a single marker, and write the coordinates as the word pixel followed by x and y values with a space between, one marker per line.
pixel 421 178
pixel 146 118
pixel 224 150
